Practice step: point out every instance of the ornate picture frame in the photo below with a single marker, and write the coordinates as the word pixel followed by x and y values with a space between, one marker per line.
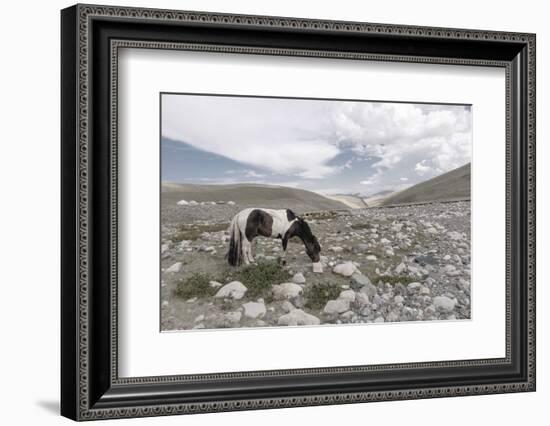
pixel 91 37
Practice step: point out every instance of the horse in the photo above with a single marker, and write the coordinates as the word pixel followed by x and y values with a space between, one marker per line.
pixel 281 224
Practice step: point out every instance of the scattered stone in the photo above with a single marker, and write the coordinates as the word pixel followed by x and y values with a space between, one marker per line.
pixel 254 310
pixel 336 306
pixel 337 249
pixel 346 269
pixel 347 295
pixel 359 280
pixel 413 287
pixel 453 235
pixel 298 317
pixel 232 317
pixel 176 267
pixel 231 203
pixel 214 284
pixel 398 299
pixel 369 289
pixel 444 304
pixel 361 299
pixel 182 203
pixel 299 278
pixel 233 290
pixel 286 291
pixel 400 268
pixel 199 318
pixel 287 306
pixel 371 257
pixel 318 267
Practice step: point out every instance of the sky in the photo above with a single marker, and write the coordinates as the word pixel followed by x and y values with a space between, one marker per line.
pixel 326 146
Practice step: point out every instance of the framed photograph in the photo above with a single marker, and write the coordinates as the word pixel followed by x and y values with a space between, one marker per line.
pixel 263 212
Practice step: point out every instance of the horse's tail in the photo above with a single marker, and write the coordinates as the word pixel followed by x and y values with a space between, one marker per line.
pixel 234 253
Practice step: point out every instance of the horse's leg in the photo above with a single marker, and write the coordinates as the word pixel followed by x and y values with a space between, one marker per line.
pixel 250 257
pixel 245 250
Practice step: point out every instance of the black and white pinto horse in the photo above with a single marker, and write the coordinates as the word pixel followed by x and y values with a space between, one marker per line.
pixel 281 224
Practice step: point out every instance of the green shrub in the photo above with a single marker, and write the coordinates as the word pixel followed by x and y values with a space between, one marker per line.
pixel 194 231
pixel 317 295
pixel 197 285
pixel 259 278
pixel 360 226
pixel 403 279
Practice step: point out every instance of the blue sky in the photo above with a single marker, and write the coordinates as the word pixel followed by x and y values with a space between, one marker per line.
pixel 331 147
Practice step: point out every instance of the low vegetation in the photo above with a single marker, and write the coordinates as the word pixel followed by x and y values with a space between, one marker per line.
pixel 317 295
pixel 328 214
pixel 194 231
pixel 197 285
pixel 258 278
pixel 390 279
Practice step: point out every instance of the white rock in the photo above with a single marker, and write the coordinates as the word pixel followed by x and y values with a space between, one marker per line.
pixel 176 267
pixel 398 299
pixel 337 306
pixel 399 269
pixel 361 299
pixel 254 310
pixel 371 257
pixel 347 295
pixel 164 248
pixel 318 267
pixel 346 269
pixel 336 249
pixel 214 284
pixel 182 203
pixel 299 278
pixel 298 317
pixel 453 235
pixel 286 291
pixel 231 203
pixel 232 317
pixel 379 319
pixel 384 241
pixel 287 306
pixel 413 287
pixel 444 304
pixel 193 203
pixel 234 290
pixel 199 318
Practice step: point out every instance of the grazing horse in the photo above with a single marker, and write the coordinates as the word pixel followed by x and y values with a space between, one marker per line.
pixel 281 224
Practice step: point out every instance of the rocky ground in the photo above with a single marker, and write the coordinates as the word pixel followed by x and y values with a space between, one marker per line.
pixel 409 263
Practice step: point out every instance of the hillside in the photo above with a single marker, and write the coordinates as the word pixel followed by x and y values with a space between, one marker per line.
pixel 250 195
pixel 453 185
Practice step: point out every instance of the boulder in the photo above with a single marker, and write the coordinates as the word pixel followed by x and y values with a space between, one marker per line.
pixel 298 317
pixel 233 290
pixel 346 269
pixel 176 267
pixel 286 291
pixel 299 278
pixel 359 280
pixel 347 295
pixel 337 306
pixel 318 267
pixel 444 303
pixel 254 310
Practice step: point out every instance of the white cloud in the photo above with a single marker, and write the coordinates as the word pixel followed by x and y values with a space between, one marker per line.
pixel 392 142
pixel 422 168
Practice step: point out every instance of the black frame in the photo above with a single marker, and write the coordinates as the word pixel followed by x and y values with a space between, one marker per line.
pixel 91 37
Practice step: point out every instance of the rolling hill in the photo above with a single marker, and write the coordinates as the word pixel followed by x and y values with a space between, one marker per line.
pixel 453 185
pixel 250 195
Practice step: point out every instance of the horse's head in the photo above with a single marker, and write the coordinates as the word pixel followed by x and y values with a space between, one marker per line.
pixel 301 229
